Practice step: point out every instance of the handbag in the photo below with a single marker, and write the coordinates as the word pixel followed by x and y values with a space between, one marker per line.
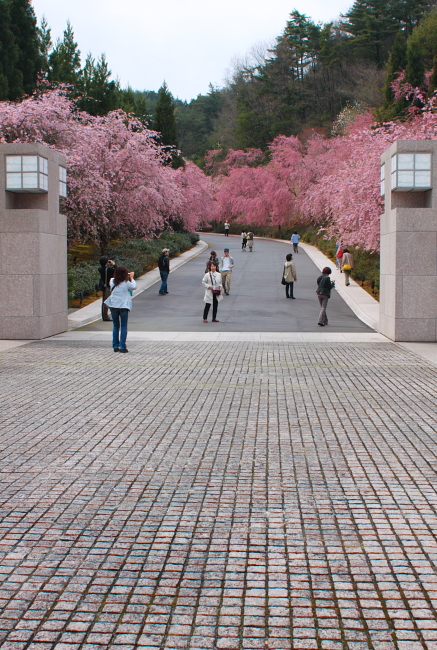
pixel 218 290
pixel 283 280
pixel 347 267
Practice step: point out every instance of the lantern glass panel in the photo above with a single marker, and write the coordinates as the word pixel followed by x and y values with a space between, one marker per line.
pixel 406 179
pixel 422 179
pixel 30 180
pixel 13 163
pixel 30 163
pixel 13 181
pixel 43 182
pixel 406 161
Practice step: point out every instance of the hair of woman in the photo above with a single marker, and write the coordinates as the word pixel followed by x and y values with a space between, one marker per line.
pixel 121 274
pixel 327 271
pixel 213 254
pixel 289 257
pixel 211 264
pixel 345 250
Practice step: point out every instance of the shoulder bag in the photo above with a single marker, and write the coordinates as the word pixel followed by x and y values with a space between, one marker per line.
pixel 218 290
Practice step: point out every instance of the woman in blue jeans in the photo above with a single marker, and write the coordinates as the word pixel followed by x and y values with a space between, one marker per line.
pixel 120 304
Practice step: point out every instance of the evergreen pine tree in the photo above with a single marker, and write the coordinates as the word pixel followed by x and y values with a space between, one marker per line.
pixel 11 78
pixel 23 25
pixel 433 77
pixel 165 123
pixel 100 96
pixel 64 61
pixel 396 63
pixel 415 70
pixel 45 44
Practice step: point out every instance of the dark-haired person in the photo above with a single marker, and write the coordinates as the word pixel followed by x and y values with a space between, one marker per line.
pixel 212 281
pixel 289 275
pixel 324 286
pixel 120 304
pixel 106 271
pixel 164 270
pixel 347 265
pixel 212 258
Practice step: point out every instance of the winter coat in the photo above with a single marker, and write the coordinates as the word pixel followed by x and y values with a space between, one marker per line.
pixel 324 285
pixel 216 283
pixel 289 272
pixel 347 259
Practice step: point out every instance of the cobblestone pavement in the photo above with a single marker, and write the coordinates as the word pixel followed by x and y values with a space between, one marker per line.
pixel 218 495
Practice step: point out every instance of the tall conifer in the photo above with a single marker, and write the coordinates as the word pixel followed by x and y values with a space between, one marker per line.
pixel 165 123
pixel 23 25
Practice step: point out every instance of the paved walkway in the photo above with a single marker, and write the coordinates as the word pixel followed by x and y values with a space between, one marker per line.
pixel 218 495
pixel 268 493
pixel 257 301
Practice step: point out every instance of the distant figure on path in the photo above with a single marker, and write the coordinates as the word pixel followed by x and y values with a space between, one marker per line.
pixel 164 270
pixel 338 255
pixel 324 286
pixel 212 258
pixel 212 281
pixel 250 237
pixel 295 241
pixel 106 271
pixel 227 226
pixel 243 240
pixel 226 266
pixel 120 304
pixel 289 275
pixel 347 265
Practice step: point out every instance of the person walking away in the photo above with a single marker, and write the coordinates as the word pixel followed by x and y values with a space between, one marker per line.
pixel 289 275
pixel 226 266
pixel 212 281
pixel 338 256
pixel 227 226
pixel 164 270
pixel 243 240
pixel 324 286
pixel 347 265
pixel 295 241
pixel 212 258
pixel 250 237
pixel 120 304
pixel 106 271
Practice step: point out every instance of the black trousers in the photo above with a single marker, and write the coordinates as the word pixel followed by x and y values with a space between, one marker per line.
pixel 214 308
pixel 289 289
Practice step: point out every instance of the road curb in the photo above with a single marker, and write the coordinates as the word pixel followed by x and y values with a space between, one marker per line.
pixel 92 312
pixel 360 302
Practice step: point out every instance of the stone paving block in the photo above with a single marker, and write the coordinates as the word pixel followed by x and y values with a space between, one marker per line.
pixel 287 502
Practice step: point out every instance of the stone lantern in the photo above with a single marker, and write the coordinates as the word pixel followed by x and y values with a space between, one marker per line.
pixel 408 285
pixel 33 242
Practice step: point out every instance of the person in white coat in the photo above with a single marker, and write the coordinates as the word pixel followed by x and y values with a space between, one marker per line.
pixel 120 304
pixel 212 281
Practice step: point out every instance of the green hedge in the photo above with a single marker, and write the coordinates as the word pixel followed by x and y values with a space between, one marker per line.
pixel 82 278
pixel 138 255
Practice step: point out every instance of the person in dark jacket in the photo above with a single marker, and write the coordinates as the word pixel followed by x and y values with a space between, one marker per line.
pixel 164 270
pixel 106 272
pixel 324 286
pixel 212 258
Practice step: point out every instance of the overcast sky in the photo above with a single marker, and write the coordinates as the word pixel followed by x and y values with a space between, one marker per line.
pixel 189 43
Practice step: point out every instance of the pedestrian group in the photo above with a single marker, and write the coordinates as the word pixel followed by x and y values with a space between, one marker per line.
pixel 118 284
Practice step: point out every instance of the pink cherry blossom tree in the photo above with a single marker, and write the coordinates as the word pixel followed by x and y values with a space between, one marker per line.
pixel 119 184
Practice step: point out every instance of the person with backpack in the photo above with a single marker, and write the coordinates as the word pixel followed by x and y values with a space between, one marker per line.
pixel 324 286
